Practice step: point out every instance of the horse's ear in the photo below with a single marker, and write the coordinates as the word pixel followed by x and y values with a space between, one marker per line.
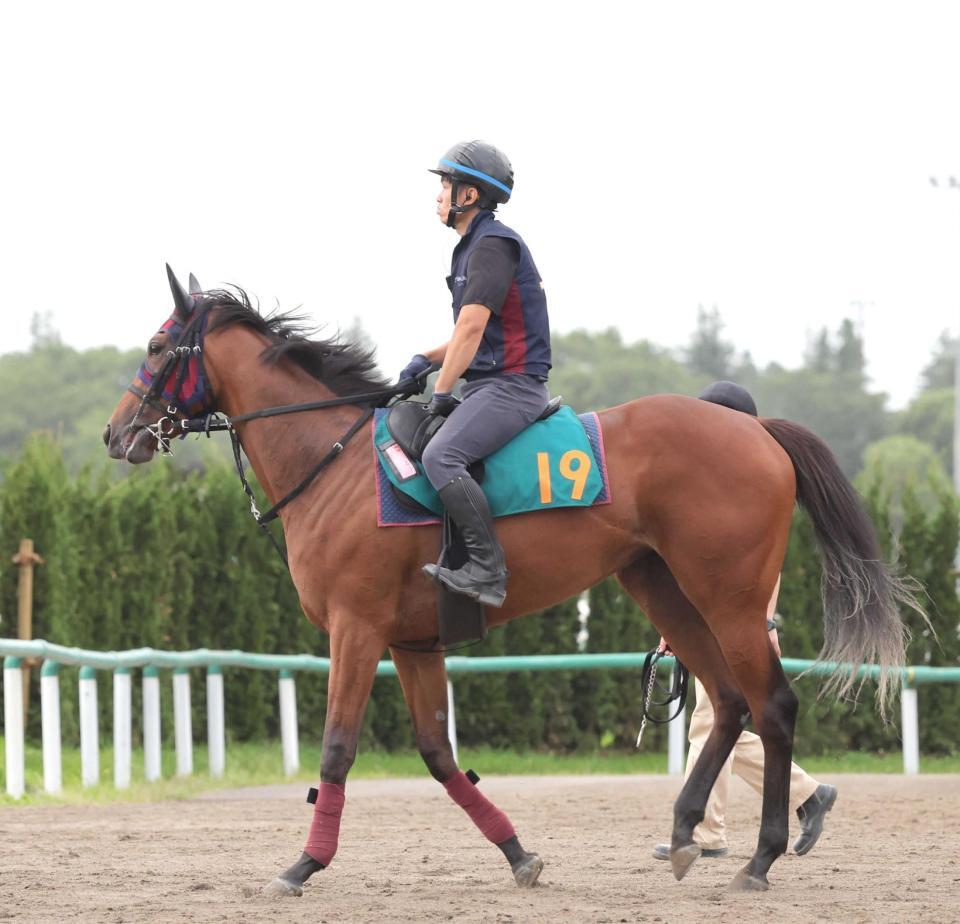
pixel 182 301
pixel 195 287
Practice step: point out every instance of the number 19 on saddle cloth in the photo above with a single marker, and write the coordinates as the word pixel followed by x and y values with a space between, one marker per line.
pixel 557 462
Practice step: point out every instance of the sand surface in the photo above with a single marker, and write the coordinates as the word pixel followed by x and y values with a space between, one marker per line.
pixel 890 852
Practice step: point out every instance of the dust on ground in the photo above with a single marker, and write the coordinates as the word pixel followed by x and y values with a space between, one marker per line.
pixel 890 852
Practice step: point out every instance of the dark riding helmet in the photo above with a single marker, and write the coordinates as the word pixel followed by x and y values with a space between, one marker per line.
pixel 478 164
pixel 731 395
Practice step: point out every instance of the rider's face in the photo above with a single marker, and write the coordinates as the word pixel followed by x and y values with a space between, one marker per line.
pixel 443 199
pixel 466 195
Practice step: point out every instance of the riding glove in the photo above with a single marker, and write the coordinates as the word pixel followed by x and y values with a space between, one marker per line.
pixel 442 403
pixel 417 366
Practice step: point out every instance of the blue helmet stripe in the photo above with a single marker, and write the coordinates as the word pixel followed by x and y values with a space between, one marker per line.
pixel 480 176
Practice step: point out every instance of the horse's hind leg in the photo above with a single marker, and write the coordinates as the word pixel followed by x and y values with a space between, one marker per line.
pixel 651 584
pixel 773 705
pixel 423 678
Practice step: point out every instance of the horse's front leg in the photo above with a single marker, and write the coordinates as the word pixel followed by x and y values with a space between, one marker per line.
pixel 353 665
pixel 423 678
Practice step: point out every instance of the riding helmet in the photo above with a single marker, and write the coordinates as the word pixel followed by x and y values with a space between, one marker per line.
pixel 479 164
pixel 731 395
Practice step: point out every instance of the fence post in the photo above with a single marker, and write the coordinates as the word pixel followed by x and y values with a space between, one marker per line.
pixel 289 737
pixel 89 728
pixel 676 741
pixel 26 558
pixel 216 735
pixel 451 720
pixel 13 725
pixel 909 728
pixel 151 724
pixel 50 722
pixel 182 724
pixel 122 721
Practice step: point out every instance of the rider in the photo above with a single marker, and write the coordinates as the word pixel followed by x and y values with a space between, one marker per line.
pixel 500 346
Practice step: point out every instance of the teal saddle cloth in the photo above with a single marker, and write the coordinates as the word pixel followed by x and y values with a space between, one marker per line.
pixel 557 462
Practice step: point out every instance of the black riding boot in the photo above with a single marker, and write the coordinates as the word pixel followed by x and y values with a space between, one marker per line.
pixel 484 576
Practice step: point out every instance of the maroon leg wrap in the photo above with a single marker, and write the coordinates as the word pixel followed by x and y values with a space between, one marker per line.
pixel 493 824
pixel 325 829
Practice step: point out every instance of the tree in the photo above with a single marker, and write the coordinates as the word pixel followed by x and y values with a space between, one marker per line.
pixel 903 464
pixel 595 371
pixel 819 353
pixel 939 371
pixel 69 395
pixel 845 357
pixel 929 418
pixel 708 354
pixel 42 331
pixel 839 411
pixel 848 358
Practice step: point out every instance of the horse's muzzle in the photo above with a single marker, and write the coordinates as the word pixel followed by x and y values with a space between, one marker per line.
pixel 112 441
pixel 134 446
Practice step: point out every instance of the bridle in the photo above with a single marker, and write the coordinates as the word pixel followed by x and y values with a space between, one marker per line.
pixel 195 413
pixel 176 364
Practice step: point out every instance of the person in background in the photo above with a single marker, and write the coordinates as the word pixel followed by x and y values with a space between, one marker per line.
pixel 811 800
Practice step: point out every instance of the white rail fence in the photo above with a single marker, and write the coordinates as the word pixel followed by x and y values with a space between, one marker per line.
pixel 150 662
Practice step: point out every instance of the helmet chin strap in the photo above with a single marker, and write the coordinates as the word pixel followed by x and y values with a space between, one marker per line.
pixel 454 208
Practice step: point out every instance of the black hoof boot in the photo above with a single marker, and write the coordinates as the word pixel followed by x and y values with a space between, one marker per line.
pixel 290 883
pixel 526 867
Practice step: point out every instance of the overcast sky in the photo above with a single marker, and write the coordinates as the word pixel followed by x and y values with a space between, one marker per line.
pixel 770 159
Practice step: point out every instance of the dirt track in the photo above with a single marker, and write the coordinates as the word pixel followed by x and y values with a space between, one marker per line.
pixel 890 852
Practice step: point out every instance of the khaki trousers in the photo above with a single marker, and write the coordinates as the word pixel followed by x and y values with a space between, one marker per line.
pixel 746 760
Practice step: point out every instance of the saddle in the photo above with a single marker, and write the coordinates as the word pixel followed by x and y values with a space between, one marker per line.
pixel 459 618
pixel 412 425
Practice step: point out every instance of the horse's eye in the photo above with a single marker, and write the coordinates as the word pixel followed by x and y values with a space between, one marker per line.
pixel 154 348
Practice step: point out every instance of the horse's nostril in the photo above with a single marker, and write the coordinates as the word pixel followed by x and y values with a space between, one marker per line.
pixel 106 435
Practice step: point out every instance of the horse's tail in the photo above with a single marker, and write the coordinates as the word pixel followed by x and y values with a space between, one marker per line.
pixel 861 596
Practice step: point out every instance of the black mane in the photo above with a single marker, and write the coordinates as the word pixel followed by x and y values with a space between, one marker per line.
pixel 345 368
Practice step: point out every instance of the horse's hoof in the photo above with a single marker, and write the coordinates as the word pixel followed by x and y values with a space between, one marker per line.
pixel 747 882
pixel 527 871
pixel 683 858
pixel 283 888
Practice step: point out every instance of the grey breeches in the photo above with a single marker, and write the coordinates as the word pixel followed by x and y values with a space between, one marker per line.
pixel 493 411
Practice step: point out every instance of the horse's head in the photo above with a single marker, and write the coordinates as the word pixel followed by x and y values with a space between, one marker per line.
pixel 170 384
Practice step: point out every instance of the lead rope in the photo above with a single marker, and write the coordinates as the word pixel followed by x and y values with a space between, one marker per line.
pixel 677 692
pixel 647 695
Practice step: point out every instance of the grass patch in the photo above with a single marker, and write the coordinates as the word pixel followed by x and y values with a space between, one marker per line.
pixel 259 763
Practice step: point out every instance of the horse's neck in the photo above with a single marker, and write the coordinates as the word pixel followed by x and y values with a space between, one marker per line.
pixel 281 449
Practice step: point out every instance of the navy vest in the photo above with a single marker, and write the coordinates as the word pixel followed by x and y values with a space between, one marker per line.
pixel 518 339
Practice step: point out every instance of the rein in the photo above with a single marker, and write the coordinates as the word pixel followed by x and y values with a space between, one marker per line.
pixel 213 422
pixel 189 347
pixel 264 518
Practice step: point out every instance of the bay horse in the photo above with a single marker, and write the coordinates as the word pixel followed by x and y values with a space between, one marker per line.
pixel 702 500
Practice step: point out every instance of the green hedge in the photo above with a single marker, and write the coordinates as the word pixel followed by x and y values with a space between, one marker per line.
pixel 173 560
